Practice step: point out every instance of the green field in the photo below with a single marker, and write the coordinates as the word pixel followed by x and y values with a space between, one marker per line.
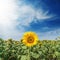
pixel 16 50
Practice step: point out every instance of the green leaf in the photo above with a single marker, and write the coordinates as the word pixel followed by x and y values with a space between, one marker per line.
pixel 24 47
pixel 40 52
pixel 1 58
pixel 19 56
pixel 23 57
pixel 54 56
pixel 56 53
pixel 35 55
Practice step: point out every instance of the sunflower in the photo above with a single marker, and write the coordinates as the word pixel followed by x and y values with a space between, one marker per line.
pixel 30 39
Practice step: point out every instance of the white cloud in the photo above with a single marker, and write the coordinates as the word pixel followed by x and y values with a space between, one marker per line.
pixel 27 14
pixel 11 12
pixel 8 20
pixel 43 15
pixel 50 35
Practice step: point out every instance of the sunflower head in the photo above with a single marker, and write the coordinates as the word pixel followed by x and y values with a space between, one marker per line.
pixel 30 39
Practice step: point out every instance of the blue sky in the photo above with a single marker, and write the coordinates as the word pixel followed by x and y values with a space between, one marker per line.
pixel 40 16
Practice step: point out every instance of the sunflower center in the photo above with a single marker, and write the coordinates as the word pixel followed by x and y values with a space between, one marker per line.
pixel 30 39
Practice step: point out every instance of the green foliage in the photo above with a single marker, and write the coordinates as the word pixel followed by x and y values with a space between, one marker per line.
pixel 16 50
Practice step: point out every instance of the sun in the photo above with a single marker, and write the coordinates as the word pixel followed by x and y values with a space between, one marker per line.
pixel 7 9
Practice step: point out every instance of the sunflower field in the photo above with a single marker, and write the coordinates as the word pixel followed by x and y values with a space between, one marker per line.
pixel 29 48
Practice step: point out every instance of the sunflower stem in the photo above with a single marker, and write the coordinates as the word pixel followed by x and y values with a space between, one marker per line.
pixel 28 54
